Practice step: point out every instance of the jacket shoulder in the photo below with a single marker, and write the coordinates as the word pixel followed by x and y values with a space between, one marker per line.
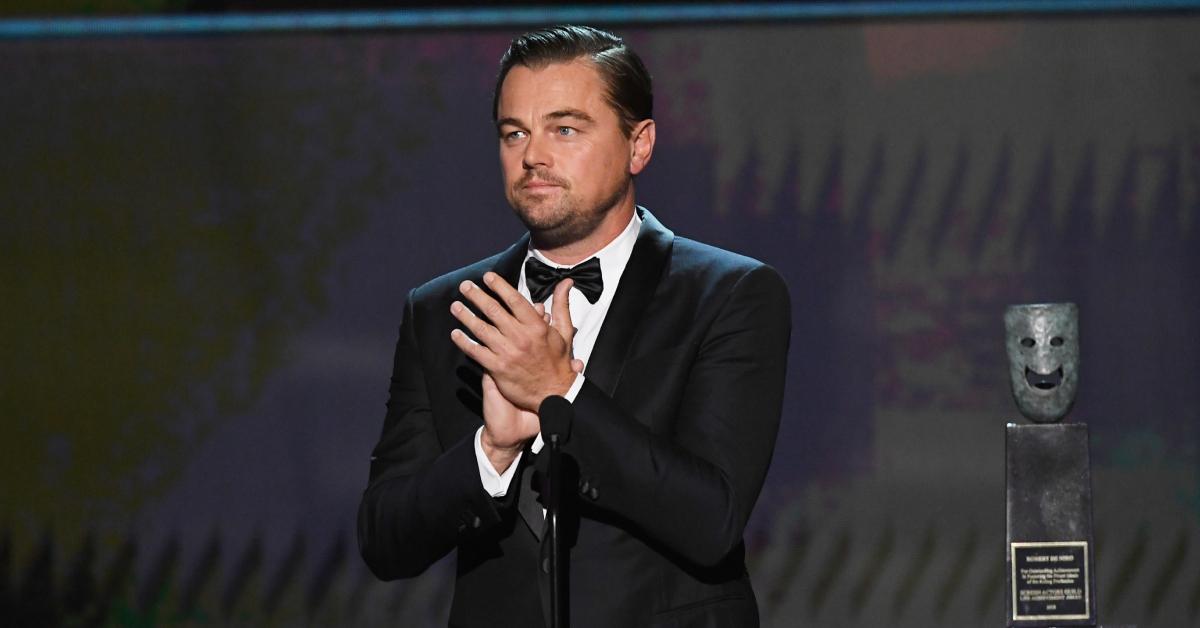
pixel 718 266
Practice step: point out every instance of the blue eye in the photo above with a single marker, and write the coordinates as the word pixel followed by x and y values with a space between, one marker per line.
pixel 512 135
pixel 566 130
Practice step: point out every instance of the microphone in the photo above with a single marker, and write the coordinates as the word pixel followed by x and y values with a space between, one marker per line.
pixel 556 415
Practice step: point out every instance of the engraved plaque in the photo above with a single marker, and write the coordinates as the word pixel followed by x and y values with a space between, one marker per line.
pixel 1050 581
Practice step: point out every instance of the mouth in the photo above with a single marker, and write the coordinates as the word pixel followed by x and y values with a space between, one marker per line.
pixel 1048 381
pixel 537 185
pixel 539 180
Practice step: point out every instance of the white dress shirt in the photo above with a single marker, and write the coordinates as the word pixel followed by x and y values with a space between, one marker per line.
pixel 587 319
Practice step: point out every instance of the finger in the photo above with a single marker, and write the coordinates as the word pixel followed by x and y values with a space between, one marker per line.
pixel 495 312
pixel 577 365
pixel 521 308
pixel 472 349
pixel 540 308
pixel 486 333
pixel 562 310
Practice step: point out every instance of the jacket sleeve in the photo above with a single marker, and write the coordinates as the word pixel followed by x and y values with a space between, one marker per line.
pixel 692 487
pixel 422 499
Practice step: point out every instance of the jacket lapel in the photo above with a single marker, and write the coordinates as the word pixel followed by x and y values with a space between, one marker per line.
pixel 638 283
pixel 508 263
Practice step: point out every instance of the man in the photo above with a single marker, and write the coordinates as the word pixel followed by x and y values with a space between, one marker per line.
pixel 671 352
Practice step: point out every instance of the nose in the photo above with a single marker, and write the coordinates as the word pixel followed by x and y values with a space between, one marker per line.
pixel 537 152
pixel 1045 357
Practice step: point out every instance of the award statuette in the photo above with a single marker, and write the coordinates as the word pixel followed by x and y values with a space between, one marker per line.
pixel 1048 482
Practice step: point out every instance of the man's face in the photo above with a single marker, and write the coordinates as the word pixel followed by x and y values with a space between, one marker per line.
pixel 566 162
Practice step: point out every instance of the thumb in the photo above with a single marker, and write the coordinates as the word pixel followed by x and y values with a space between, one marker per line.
pixel 561 320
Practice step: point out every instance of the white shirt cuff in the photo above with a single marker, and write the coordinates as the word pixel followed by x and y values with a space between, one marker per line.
pixel 576 386
pixel 570 395
pixel 496 484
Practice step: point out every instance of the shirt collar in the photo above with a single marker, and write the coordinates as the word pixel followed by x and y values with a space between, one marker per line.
pixel 613 256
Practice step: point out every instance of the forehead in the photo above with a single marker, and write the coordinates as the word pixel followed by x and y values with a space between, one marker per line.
pixel 1040 321
pixel 534 92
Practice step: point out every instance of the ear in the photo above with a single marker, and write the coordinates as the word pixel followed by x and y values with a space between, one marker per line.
pixel 641 145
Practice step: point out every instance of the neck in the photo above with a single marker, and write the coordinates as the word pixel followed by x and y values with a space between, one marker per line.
pixel 613 224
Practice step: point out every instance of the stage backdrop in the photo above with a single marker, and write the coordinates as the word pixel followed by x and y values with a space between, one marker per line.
pixel 206 243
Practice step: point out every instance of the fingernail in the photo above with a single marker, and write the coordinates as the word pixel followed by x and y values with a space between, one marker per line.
pixel 455 307
pixel 488 278
pixel 466 286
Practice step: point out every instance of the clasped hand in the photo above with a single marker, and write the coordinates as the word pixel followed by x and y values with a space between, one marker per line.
pixel 525 358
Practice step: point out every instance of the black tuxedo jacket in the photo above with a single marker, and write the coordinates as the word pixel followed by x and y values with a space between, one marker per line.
pixel 673 432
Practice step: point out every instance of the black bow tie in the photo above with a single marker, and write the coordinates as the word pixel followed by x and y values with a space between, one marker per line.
pixel 541 278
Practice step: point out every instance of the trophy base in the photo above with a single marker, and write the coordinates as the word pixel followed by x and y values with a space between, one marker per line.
pixel 1049 527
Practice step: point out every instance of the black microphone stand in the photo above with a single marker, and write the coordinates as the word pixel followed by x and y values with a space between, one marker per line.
pixel 556 415
pixel 558 607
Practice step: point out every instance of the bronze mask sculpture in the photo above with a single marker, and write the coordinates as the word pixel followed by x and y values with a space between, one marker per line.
pixel 1042 340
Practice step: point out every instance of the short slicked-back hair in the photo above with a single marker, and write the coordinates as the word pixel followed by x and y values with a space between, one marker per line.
pixel 628 82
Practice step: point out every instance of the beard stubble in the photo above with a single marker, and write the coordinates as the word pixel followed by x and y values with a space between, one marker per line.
pixel 564 221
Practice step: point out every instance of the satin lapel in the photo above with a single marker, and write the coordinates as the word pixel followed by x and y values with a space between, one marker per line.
pixel 527 503
pixel 633 296
pixel 508 265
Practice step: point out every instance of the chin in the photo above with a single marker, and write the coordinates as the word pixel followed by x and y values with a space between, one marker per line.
pixel 543 210
pixel 556 231
pixel 554 235
pixel 540 218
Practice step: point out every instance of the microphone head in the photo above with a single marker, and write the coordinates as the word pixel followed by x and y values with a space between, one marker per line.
pixel 556 415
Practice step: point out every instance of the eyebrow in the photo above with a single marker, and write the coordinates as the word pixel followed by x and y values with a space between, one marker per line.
pixel 554 115
pixel 569 113
pixel 509 121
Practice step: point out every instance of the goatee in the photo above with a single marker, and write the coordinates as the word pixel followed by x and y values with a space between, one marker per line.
pixel 566 222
